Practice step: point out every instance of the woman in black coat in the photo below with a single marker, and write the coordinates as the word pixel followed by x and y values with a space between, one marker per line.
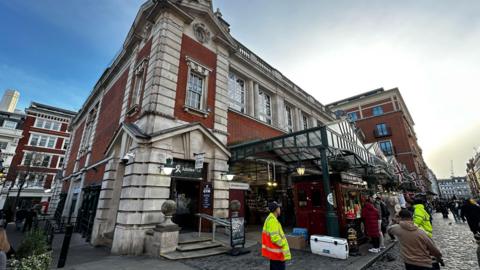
pixel 471 211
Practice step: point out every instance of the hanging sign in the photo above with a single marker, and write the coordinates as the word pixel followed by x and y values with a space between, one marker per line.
pixel 199 160
pixel 207 196
pixel 330 198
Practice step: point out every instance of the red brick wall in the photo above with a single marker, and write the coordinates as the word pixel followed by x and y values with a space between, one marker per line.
pixel 144 52
pixel 242 129
pixel 94 176
pixel 74 148
pixel 65 186
pixel 108 118
pixel 207 58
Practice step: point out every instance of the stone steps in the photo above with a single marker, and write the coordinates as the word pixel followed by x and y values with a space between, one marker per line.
pixel 198 246
pixel 190 240
pixel 195 248
pixel 178 255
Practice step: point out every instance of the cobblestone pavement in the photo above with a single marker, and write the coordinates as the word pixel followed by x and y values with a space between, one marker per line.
pixel 454 240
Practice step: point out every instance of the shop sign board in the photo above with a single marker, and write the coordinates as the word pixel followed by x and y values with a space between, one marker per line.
pixel 199 158
pixel 237 233
pixel 207 196
pixel 186 169
pixel 239 186
pixel 351 178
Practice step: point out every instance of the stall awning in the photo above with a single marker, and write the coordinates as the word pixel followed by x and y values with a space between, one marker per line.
pixel 337 138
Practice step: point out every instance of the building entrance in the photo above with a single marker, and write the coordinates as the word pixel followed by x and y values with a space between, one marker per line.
pixel 186 193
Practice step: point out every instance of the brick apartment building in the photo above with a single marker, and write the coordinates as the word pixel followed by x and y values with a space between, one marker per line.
pixel 182 85
pixel 40 153
pixel 383 117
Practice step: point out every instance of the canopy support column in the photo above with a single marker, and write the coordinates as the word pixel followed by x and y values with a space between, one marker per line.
pixel 332 218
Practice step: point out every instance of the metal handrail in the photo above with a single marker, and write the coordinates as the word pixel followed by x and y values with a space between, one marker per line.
pixel 214 220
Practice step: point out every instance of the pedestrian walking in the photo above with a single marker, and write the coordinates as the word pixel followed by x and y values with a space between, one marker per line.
pixel 370 217
pixel 274 243
pixel 421 218
pixel 19 218
pixel 29 217
pixel 453 206
pixel 4 249
pixel 471 211
pixel 416 247
pixel 383 219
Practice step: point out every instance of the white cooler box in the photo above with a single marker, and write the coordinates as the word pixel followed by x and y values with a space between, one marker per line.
pixel 329 246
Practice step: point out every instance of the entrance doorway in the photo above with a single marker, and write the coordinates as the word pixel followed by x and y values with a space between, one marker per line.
pixel 311 208
pixel 186 193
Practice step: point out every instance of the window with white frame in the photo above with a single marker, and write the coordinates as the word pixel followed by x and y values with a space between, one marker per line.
pixel 9 124
pixel 236 92
pixel 36 160
pixel 47 124
pixel 265 110
pixel 387 147
pixel 33 179
pixel 289 118
pixel 42 141
pixel 61 160
pixel 66 142
pixel 3 145
pixel 196 84
pixel 304 121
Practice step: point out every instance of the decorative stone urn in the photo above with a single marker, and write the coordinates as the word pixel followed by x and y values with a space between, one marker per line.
pixel 169 207
pixel 164 237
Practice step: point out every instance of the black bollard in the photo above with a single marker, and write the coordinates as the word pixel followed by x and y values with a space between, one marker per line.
pixel 65 246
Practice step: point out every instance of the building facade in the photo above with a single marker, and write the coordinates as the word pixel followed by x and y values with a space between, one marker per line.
pixel 9 100
pixel 181 87
pixel 455 186
pixel 384 118
pixel 40 153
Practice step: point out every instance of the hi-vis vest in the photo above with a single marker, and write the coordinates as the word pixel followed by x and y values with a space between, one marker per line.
pixel 274 244
pixel 421 218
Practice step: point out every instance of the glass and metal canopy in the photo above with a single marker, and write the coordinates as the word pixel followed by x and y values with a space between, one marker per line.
pixel 337 138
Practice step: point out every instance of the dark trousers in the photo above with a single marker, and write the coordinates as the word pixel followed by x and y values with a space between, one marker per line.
pixel 416 267
pixel 376 242
pixel 277 265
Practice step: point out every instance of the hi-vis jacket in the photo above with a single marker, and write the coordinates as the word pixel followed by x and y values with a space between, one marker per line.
pixel 421 218
pixel 274 244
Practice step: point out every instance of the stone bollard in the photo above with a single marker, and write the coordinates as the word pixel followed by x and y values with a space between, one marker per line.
pixel 164 237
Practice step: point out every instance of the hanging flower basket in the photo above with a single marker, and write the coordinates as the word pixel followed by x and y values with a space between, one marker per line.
pixel 339 164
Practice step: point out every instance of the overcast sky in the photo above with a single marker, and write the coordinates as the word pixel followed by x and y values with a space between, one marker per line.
pixel 54 51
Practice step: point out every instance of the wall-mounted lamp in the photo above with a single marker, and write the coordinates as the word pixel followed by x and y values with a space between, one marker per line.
pixel 228 176
pixel 167 168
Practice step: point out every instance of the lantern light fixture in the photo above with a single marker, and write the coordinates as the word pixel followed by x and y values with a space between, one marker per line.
pixel 301 170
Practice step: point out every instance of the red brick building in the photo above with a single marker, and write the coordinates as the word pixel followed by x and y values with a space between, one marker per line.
pixel 181 86
pixel 383 117
pixel 40 153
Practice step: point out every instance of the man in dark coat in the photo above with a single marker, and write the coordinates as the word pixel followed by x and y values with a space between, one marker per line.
pixel 471 211
pixel 371 216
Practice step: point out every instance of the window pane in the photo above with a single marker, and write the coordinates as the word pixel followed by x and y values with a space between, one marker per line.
pixel 51 142
pixel 3 145
pixel 46 161
pixel 56 126
pixel 48 124
pixel 65 144
pixel 34 140
pixel 43 141
pixel 39 123
pixel 28 159
pixel 195 91
pixel 10 124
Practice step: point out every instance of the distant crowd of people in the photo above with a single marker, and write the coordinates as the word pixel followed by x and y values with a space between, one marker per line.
pixel 410 223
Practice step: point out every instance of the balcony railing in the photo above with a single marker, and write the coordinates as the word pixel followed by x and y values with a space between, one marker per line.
pixel 382 133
